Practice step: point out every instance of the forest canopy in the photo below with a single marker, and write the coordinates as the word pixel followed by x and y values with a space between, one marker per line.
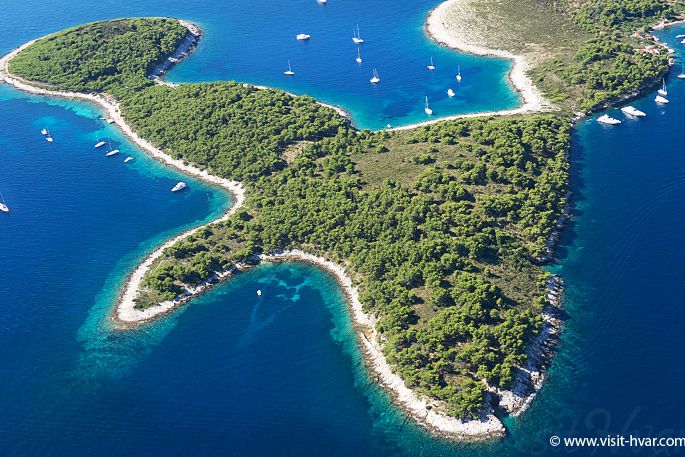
pixel 440 226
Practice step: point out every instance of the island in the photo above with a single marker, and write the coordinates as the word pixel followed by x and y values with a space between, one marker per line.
pixel 437 233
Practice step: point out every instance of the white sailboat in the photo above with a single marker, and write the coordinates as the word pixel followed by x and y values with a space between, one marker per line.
pixel 259 292
pixel 682 72
pixel 450 93
pixel 607 120
pixel 427 110
pixel 303 37
pixel 3 205
pixel 375 79
pixel 44 131
pixel 661 100
pixel 99 144
pixel 128 159
pixel 48 138
pixel 663 92
pixel 459 73
pixel 290 71
pixel 431 66
pixel 359 56
pixel 179 186
pixel 357 37
pixel 112 152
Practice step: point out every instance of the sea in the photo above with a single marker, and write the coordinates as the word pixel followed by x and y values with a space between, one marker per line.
pixel 281 374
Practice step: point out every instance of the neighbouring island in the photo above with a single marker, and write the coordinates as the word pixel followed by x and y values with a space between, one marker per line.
pixel 437 232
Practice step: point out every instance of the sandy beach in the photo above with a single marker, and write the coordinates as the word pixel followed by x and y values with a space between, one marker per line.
pixel 461 39
pixel 422 409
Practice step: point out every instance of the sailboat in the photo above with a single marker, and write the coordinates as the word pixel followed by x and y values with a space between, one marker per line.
pixel 99 144
pixel 661 100
pixel 3 206
pixel 375 79
pixel 450 93
pixel 663 92
pixel 359 56
pixel 303 36
pixel 427 109
pixel 459 73
pixel 128 159
pixel 431 66
pixel 682 72
pixel 44 131
pixel 290 71
pixel 48 138
pixel 112 152
pixel 357 37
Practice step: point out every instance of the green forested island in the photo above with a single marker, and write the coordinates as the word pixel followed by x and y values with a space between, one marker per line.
pixel 441 226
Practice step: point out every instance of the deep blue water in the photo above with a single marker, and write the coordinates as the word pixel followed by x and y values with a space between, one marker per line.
pixel 234 374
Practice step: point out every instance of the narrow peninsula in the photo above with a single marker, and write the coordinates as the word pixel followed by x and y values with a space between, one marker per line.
pixel 436 233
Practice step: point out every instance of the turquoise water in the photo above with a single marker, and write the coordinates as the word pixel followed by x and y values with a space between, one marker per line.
pixel 253 41
pixel 235 374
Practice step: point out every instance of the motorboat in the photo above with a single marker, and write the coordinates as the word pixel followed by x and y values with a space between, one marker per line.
pixel 179 186
pixel 608 120
pixel 632 111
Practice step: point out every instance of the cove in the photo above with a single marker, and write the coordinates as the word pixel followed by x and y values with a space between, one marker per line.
pixel 252 43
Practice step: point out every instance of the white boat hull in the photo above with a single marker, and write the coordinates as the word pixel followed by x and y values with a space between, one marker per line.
pixel 608 120
pixel 179 187
pixel 4 208
pixel 632 111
